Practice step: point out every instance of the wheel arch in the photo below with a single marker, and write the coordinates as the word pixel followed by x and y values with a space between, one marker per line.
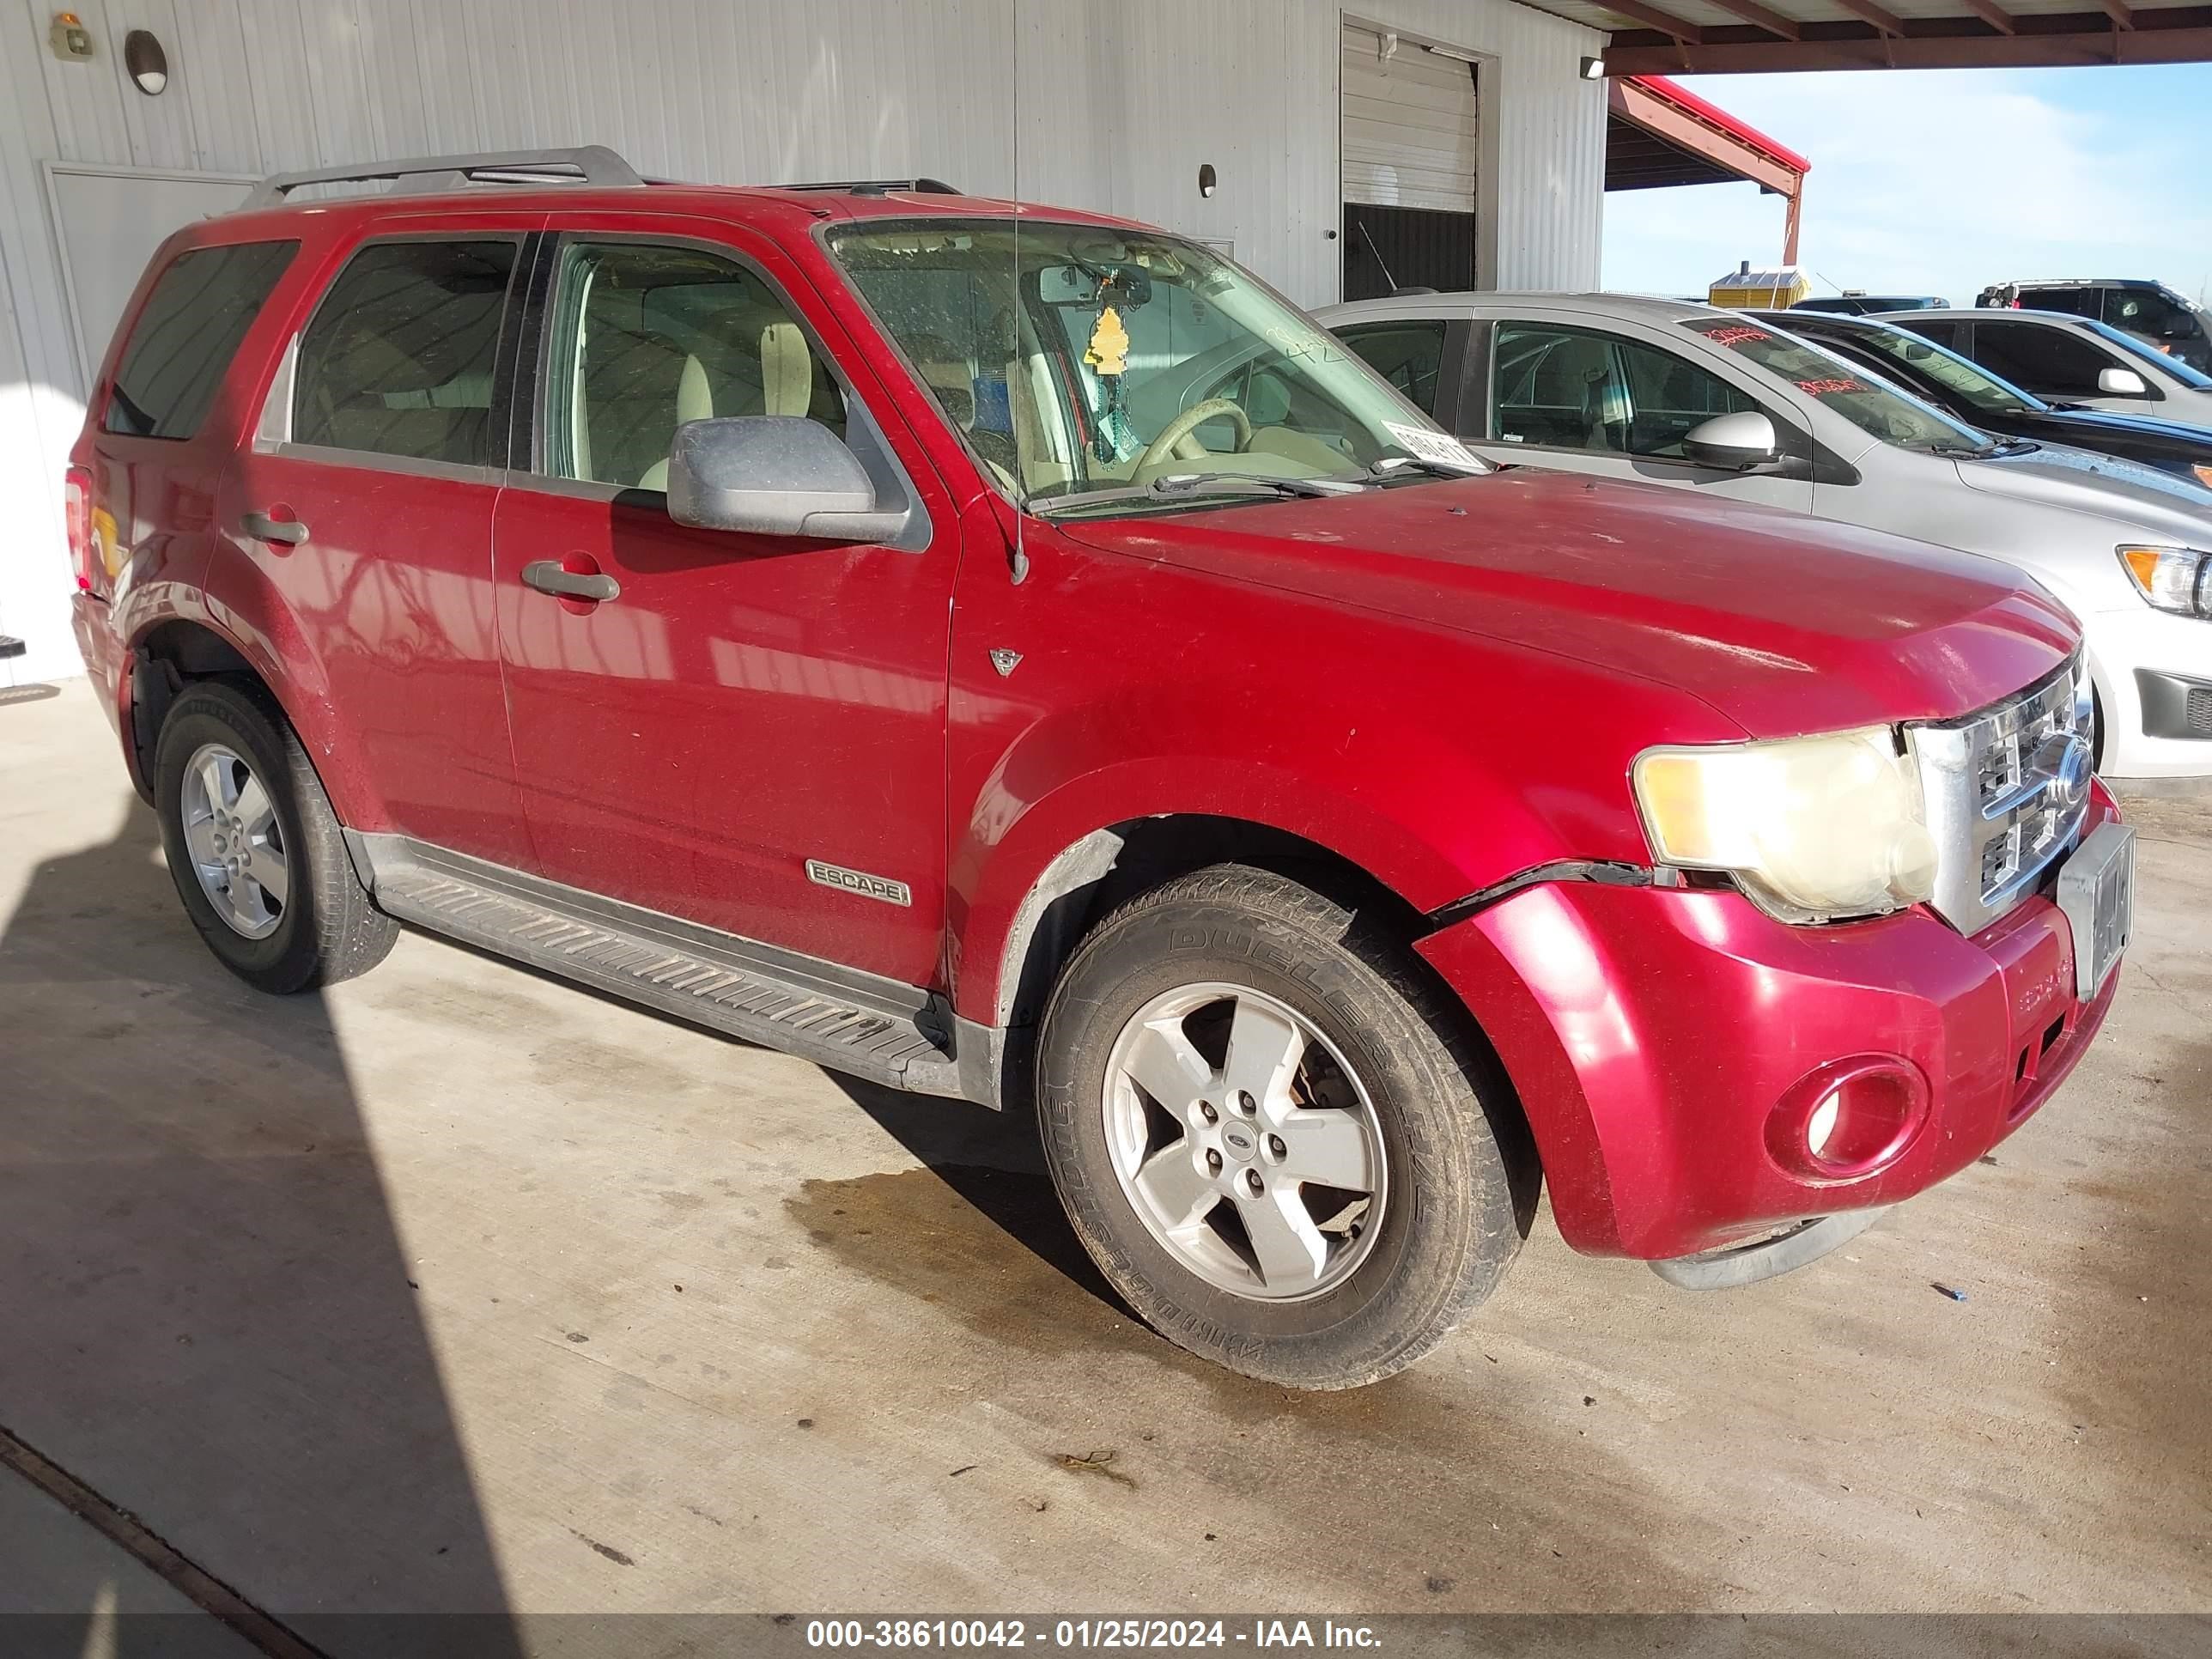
pixel 172 649
pixel 1034 867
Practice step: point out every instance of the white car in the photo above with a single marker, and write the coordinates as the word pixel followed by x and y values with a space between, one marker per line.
pixel 1677 393
pixel 2075 362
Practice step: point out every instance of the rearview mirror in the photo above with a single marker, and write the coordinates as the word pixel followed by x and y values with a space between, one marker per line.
pixel 1734 443
pixel 2122 383
pixel 774 475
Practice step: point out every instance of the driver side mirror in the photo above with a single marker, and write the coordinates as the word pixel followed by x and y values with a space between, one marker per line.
pixel 774 475
pixel 1734 443
pixel 2122 383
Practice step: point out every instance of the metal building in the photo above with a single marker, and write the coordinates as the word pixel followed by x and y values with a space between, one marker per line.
pixel 1499 155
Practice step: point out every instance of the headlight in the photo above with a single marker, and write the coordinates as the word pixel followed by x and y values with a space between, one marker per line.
pixel 1814 829
pixel 2176 578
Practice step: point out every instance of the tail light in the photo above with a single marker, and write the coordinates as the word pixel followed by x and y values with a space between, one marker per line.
pixel 76 514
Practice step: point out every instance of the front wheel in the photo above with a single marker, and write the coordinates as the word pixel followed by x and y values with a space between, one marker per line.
pixel 1268 1136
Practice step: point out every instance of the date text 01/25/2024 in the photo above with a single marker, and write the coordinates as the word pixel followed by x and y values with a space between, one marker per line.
pixel 1087 1633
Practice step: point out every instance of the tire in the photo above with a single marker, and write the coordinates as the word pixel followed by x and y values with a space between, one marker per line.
pixel 1439 1141
pixel 323 928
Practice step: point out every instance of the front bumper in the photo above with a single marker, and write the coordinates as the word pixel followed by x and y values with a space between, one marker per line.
pixel 1653 1034
pixel 2143 740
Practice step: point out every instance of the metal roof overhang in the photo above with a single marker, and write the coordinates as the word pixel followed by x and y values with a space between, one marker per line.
pixel 1658 134
pixel 1719 37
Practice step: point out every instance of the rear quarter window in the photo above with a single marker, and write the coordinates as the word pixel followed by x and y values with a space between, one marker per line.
pixel 182 343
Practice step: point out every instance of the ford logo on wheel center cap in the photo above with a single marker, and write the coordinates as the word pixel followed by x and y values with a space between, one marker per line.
pixel 1238 1141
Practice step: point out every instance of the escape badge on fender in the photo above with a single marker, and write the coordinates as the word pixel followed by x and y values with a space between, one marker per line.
pixel 856 881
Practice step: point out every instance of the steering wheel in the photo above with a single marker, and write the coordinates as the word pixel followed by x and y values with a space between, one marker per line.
pixel 1174 433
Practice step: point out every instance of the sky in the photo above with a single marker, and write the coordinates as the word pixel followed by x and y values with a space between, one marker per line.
pixel 1942 181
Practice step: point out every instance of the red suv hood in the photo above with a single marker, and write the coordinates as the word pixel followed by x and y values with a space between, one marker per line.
pixel 1785 624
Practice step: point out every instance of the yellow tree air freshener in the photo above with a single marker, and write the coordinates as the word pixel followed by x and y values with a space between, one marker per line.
pixel 1109 351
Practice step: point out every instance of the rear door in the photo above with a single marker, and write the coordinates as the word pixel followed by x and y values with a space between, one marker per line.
pixel 1614 405
pixel 366 499
pixel 748 731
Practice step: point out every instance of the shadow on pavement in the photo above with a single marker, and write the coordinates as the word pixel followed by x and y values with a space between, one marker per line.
pixel 994 1163
pixel 209 1317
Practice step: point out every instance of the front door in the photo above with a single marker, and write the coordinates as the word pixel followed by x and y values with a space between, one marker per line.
pixel 2055 363
pixel 1613 406
pixel 749 731
pixel 367 501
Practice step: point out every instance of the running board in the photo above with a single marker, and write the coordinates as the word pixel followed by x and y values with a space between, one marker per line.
pixel 895 1034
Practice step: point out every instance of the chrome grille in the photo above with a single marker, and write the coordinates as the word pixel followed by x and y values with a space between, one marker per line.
pixel 2007 789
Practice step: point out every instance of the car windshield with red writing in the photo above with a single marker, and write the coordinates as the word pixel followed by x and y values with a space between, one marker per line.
pixel 1877 409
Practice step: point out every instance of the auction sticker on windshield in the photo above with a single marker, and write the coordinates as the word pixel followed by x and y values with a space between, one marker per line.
pixel 1440 447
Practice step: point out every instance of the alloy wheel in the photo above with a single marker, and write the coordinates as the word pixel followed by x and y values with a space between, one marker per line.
pixel 235 843
pixel 1244 1143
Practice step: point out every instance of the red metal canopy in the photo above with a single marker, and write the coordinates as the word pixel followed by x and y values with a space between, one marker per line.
pixel 1658 134
pixel 1714 37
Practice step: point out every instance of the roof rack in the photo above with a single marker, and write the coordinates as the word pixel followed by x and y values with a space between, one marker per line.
pixel 590 164
pixel 882 187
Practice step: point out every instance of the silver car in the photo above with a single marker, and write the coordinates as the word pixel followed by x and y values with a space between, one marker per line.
pixel 1670 393
pixel 2075 362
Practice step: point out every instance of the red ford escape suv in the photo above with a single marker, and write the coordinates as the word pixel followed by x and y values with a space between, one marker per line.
pixel 869 620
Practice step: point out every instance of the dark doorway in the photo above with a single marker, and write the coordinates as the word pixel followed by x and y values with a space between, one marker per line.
pixel 1388 248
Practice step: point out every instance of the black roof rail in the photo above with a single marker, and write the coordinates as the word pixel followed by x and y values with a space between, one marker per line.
pixel 589 164
pixel 880 187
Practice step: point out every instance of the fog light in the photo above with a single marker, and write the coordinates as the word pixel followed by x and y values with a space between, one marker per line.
pixel 1822 1123
pixel 1849 1119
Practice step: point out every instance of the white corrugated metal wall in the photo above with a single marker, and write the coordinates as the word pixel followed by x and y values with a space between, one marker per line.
pixel 1113 107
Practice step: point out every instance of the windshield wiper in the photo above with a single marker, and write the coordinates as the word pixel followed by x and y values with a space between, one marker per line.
pixel 1391 466
pixel 1201 484
pixel 1988 451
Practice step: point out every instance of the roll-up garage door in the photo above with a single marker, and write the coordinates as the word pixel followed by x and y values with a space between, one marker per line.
pixel 1408 136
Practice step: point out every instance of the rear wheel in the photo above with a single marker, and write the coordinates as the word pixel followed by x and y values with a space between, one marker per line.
pixel 1268 1135
pixel 255 851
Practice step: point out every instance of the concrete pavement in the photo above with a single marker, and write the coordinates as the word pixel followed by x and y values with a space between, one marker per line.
pixel 461 1288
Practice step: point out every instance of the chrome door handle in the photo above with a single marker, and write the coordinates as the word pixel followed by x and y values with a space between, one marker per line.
pixel 548 577
pixel 288 532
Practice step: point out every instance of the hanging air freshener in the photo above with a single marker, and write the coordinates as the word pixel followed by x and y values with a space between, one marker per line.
pixel 1108 355
pixel 1109 351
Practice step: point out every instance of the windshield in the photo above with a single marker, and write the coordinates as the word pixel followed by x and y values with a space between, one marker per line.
pixel 1947 368
pixel 2167 362
pixel 1879 412
pixel 1107 360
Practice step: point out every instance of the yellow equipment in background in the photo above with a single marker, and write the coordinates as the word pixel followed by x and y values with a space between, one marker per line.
pixel 1775 288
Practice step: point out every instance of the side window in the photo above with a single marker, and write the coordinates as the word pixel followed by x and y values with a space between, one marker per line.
pixel 2150 314
pixel 2075 302
pixel 1944 334
pixel 186 334
pixel 398 358
pixel 1410 356
pixel 1567 388
pixel 2047 360
pixel 644 337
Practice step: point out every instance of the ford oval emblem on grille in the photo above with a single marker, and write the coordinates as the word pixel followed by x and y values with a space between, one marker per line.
pixel 2064 759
